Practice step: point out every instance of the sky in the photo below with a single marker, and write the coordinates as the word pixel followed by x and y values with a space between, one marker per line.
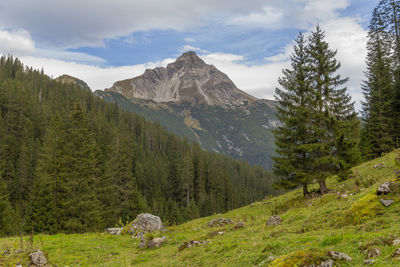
pixel 102 41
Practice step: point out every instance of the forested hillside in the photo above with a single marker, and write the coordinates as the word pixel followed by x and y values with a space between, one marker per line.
pixel 69 162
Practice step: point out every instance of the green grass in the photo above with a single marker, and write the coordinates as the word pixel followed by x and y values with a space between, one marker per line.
pixel 310 228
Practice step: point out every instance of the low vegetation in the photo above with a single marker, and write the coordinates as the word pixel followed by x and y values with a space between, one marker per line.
pixel 310 228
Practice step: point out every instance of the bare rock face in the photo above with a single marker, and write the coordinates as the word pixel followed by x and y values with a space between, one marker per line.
pixel 146 222
pixel 38 258
pixel 188 79
pixel 274 221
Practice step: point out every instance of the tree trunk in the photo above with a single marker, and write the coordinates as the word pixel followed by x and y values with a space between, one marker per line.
pixel 322 187
pixel 305 190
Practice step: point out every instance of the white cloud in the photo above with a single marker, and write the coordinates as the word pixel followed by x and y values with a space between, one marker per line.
pixel 75 23
pixel 350 39
pixel 300 14
pixel 18 42
pixel 190 40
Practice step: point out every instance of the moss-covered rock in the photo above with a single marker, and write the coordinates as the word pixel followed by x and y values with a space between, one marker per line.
pixel 300 258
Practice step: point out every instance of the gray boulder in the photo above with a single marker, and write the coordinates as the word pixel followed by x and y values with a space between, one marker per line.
pixel 274 221
pixel 386 202
pixel 384 189
pixel 339 256
pixel 146 222
pixel 38 258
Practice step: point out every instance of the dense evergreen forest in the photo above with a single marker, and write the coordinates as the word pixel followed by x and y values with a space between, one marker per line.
pixel 69 162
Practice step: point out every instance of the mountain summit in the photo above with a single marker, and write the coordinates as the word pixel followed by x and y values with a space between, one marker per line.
pixel 188 79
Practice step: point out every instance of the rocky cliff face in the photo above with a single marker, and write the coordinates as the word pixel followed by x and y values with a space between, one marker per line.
pixel 188 79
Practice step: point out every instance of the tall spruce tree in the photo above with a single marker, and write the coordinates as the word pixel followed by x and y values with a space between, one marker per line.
pixel 333 111
pixel 83 208
pixel 49 193
pixel 319 132
pixel 378 114
pixel 293 137
pixel 6 216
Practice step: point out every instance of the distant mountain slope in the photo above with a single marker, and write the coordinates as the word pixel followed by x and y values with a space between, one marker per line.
pixel 67 79
pixel 197 101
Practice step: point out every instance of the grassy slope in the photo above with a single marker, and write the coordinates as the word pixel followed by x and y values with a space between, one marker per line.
pixel 324 223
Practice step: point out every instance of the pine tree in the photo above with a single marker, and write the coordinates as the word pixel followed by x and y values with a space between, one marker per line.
pixel 294 137
pixel 49 191
pixel 333 112
pixel 6 215
pixel 119 192
pixel 378 91
pixel 83 208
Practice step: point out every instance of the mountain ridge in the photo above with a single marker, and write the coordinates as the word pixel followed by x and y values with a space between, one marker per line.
pixel 188 79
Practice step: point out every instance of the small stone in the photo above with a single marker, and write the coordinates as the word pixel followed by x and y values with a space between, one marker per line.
pixel 339 256
pixel 373 252
pixel 396 242
pixel 369 262
pixel 219 222
pixel 156 242
pixel 379 165
pixel 18 265
pixel 344 196
pixel 114 231
pixel 274 221
pixel 328 263
pixel 189 244
pixel 239 225
pixel 384 189
pixel 37 258
pixel 386 202
pixel 396 254
pixel 221 232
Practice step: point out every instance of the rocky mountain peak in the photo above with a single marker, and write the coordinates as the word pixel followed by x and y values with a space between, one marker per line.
pixel 190 59
pixel 188 79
